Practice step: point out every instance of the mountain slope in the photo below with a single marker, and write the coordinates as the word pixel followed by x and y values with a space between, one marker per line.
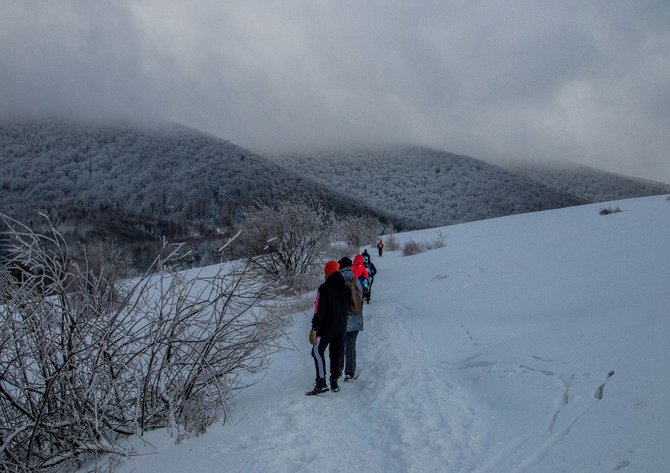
pixel 435 187
pixel 589 183
pixel 532 343
pixel 138 184
pixel 169 171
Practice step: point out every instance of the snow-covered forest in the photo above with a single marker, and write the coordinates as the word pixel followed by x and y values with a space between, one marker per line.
pixel 177 182
pixel 591 184
pixel 440 188
pixel 166 171
pixel 136 185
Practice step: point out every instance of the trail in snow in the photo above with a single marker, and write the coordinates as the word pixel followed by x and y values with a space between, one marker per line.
pixel 400 414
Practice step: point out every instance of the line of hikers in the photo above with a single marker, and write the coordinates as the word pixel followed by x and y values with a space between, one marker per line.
pixel 338 317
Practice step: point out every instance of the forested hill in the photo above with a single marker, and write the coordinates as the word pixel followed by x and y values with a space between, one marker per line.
pixel 137 185
pixel 167 171
pixel 435 187
pixel 590 183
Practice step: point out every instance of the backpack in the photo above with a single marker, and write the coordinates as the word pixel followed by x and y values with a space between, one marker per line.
pixel 356 306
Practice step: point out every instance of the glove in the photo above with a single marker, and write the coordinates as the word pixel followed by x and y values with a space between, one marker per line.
pixel 312 337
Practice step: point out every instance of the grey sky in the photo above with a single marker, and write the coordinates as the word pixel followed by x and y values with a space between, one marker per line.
pixel 583 80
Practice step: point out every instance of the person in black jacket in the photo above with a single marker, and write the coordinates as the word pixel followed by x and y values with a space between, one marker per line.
pixel 329 326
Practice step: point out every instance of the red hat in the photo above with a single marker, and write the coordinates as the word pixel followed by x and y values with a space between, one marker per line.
pixel 331 267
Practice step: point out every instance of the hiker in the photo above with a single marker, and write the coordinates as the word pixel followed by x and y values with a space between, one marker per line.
pixel 358 267
pixel 329 325
pixel 372 271
pixel 354 325
pixel 380 247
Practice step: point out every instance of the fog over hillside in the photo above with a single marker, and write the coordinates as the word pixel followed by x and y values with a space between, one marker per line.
pixel 582 80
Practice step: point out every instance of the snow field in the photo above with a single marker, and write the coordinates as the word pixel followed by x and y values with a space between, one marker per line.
pixel 532 343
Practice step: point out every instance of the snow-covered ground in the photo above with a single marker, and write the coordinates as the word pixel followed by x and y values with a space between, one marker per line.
pixel 532 343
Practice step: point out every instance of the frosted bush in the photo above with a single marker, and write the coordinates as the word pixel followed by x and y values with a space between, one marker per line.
pixel 609 210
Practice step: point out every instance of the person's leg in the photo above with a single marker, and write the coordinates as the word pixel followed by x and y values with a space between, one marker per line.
pixel 342 356
pixel 319 356
pixel 335 352
pixel 350 369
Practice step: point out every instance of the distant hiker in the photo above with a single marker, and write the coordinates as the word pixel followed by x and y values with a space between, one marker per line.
pixel 380 247
pixel 354 325
pixel 329 325
pixel 372 271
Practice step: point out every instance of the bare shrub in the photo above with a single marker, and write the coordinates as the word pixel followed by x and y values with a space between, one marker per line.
pixel 413 248
pixel 83 366
pixel 609 210
pixel 358 231
pixel 391 243
pixel 438 242
pixel 288 239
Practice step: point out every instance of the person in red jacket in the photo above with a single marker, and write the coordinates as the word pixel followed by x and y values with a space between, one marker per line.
pixel 329 326
pixel 361 272
pixel 358 267
pixel 380 247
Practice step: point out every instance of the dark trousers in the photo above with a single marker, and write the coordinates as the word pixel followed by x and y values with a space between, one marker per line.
pixel 335 347
pixel 349 354
pixel 368 292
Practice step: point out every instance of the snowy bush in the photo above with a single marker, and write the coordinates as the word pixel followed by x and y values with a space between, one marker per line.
pixel 412 247
pixel 608 210
pixel 83 365
pixel 438 242
pixel 358 231
pixel 288 239
pixel 391 243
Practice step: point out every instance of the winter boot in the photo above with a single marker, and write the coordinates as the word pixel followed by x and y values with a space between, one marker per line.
pixel 319 388
pixel 333 385
pixel 348 378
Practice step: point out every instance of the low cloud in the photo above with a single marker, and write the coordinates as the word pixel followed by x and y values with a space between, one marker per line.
pixel 582 81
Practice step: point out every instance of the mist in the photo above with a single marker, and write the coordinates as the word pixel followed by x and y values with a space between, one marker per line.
pixel 579 81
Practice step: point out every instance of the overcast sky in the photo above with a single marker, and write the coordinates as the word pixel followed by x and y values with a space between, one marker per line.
pixel 583 80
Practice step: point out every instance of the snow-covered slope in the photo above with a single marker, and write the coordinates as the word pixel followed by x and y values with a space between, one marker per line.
pixel 531 343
